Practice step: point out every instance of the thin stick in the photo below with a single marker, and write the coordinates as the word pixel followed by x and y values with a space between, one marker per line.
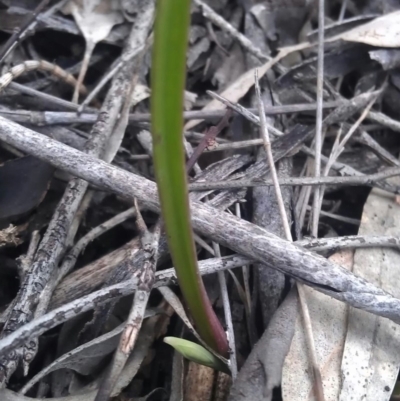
pixel 90 45
pixel 246 280
pixel 367 180
pixel 89 117
pixel 245 112
pixel 16 36
pixel 26 261
pixel 288 234
pixel 340 19
pixel 237 234
pixel 117 66
pixel 267 146
pixel 348 220
pixel 208 140
pixel 70 260
pixel 149 242
pixel 350 241
pixel 342 10
pixel 49 99
pixel 228 316
pixel 41 65
pixel 216 19
pixel 339 146
pixel 384 120
pixel 318 128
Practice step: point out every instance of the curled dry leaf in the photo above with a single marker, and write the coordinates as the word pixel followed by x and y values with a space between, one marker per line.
pixel 95 19
pixel 329 321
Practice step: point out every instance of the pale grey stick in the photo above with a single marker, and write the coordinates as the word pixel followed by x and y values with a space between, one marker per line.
pixel 318 130
pixel 45 262
pixel 334 117
pixel 168 277
pixel 107 294
pixel 89 117
pixel 216 19
pixel 49 99
pixel 318 387
pixel 309 335
pixel 146 275
pixel 70 259
pixel 384 120
pixel 36 290
pixel 213 265
pixel 228 315
pixel 236 234
pixel 368 180
pixel 350 241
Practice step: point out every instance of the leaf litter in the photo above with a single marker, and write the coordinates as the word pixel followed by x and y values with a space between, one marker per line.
pixel 357 353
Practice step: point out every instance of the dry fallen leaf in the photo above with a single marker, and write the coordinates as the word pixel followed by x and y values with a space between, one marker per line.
pixel 235 91
pixel 95 19
pixel 88 393
pixel 82 358
pixel 329 321
pixel 371 357
pixel 383 32
pixel 262 371
pixel 23 185
pixel 142 92
pixel 358 352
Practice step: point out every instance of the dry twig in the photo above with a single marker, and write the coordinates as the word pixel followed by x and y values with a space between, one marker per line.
pixel 226 229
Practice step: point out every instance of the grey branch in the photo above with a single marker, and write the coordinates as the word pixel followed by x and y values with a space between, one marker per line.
pixel 236 234
pixel 368 180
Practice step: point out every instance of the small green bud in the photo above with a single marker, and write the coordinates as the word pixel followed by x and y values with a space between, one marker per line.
pixel 196 353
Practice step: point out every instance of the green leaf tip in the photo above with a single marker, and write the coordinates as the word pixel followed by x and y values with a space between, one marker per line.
pixel 196 353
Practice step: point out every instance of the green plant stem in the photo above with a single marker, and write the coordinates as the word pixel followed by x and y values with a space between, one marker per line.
pixel 168 82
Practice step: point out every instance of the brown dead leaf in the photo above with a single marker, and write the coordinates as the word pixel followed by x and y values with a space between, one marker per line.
pixel 198 382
